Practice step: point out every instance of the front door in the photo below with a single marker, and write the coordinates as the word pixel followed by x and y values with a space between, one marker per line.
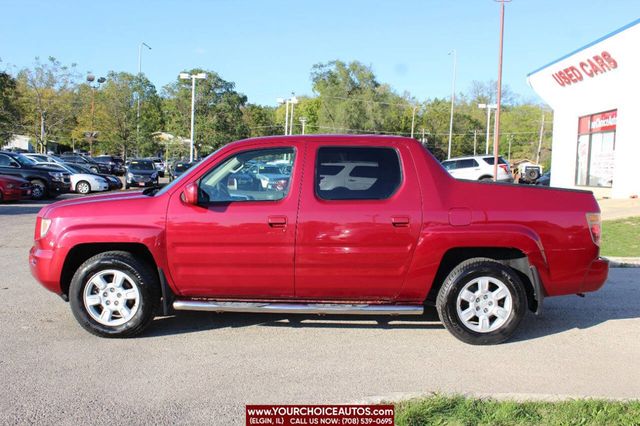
pixel 359 221
pixel 239 241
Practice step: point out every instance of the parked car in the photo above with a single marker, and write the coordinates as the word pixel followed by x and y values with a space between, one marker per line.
pixel 43 158
pixel 45 182
pixel 86 161
pixel 178 168
pixel 83 181
pixel 141 173
pixel 479 168
pixel 415 237
pixel 13 188
pixel 116 164
pixel 271 176
pixel 159 164
pixel 545 179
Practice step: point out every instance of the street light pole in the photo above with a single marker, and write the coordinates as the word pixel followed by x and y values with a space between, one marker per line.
pixel 293 101
pixel 92 133
pixel 413 119
pixel 488 107
pixel 496 133
pixel 303 121
pixel 139 74
pixel 453 97
pixel 193 77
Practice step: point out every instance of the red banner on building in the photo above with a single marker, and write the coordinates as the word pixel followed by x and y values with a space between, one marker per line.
pixel 598 123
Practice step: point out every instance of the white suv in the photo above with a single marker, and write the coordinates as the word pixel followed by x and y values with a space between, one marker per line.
pixel 478 168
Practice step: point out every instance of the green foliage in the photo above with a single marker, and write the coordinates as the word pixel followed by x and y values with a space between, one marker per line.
pixel 48 103
pixel 621 237
pixel 458 410
pixel 10 113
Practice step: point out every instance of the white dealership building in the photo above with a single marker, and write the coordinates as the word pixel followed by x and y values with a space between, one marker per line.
pixel 595 95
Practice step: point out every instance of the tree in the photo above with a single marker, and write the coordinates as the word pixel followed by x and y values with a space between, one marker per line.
pixel 47 95
pixel 10 114
pixel 116 114
pixel 260 120
pixel 218 111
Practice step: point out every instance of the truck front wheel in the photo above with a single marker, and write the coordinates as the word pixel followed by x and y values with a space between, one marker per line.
pixel 113 294
pixel 482 302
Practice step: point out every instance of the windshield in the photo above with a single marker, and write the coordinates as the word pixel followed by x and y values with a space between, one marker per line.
pixel 24 161
pixel 181 167
pixel 141 165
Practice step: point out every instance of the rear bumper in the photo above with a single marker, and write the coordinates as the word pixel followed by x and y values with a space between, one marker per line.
pixel 596 275
pixel 43 267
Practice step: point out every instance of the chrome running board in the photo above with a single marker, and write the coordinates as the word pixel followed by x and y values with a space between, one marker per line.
pixel 297 308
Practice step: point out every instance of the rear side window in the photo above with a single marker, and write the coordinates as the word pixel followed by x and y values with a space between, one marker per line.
pixel 489 160
pixel 464 164
pixel 350 173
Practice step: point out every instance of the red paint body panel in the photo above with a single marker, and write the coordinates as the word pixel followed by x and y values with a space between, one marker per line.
pixel 14 188
pixel 369 250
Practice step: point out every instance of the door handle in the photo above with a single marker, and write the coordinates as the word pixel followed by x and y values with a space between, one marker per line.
pixel 277 221
pixel 400 221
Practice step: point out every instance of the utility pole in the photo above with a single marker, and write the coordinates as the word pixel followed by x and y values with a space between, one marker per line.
pixel 475 141
pixel 540 139
pixel 496 134
pixel 286 118
pixel 453 97
pixel 303 121
pixel 423 140
pixel 509 154
pixel 413 119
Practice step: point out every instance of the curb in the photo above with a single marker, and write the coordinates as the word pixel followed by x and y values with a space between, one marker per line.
pixel 398 397
pixel 623 262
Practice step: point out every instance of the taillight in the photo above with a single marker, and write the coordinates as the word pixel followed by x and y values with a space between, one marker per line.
pixel 504 167
pixel 595 227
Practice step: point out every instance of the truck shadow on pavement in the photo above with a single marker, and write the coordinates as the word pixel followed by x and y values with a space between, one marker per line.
pixel 617 300
pixel 186 322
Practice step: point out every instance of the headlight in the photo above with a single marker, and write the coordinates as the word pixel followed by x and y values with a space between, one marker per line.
pixel 154 176
pixel 44 226
pixel 10 186
pixel 56 176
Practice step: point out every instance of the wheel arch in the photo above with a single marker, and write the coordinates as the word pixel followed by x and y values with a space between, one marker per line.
pixel 80 253
pixel 513 257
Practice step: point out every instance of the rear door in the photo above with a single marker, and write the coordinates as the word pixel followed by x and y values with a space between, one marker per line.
pixel 356 239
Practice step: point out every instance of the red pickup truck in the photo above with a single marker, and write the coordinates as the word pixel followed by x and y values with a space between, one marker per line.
pixel 320 225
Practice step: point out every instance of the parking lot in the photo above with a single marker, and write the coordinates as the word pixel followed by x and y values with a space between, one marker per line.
pixel 204 368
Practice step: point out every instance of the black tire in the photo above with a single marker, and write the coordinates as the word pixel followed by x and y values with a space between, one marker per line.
pixel 39 191
pixel 94 169
pixel 460 276
pixel 83 187
pixel 485 179
pixel 141 274
pixel 126 186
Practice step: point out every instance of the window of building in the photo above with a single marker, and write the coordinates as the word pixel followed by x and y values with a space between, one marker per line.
pixel 595 149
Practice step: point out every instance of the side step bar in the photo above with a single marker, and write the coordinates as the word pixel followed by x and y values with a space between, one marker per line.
pixel 297 308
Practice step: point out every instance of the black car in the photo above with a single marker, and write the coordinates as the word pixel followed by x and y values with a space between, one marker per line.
pixel 178 168
pixel 87 162
pixel 545 179
pixel 46 182
pixel 141 173
pixel 115 164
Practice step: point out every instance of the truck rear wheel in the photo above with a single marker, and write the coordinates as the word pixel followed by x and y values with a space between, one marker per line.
pixel 482 302
pixel 113 294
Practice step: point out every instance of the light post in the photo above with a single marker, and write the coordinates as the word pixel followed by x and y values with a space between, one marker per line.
pixel 193 77
pixel 139 74
pixel 288 121
pixel 496 133
pixel 453 97
pixel 303 121
pixel 92 134
pixel 488 107
pixel 413 118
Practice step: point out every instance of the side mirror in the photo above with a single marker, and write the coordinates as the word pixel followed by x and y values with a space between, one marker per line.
pixel 190 194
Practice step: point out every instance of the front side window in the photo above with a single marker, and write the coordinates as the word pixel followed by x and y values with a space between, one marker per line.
pixel 258 175
pixel 357 173
pixel 6 161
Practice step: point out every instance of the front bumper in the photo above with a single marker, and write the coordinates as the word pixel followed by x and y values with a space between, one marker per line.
pixel 43 264
pixel 596 275
pixel 60 187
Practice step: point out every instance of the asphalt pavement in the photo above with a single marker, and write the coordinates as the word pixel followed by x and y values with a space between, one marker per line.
pixel 202 368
